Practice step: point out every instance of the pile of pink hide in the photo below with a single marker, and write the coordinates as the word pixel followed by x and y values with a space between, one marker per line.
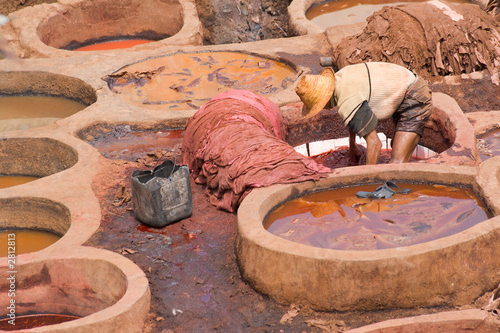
pixel 235 143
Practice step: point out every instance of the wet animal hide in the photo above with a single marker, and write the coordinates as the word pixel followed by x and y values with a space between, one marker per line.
pixel 235 143
pixel 430 38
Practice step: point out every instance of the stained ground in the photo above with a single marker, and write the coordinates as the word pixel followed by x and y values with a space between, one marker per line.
pixel 191 266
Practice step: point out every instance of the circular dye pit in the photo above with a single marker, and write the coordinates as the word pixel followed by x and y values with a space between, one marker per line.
pixel 34 99
pixel 338 219
pixel 25 112
pixel 82 290
pixel 189 80
pixel 344 12
pixel 489 144
pixel 32 223
pixel 110 20
pixel 344 253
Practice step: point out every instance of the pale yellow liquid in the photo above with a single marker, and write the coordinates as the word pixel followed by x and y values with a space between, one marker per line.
pixel 25 112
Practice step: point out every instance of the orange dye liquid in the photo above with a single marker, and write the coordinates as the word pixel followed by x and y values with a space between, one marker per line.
pixel 35 320
pixel 25 241
pixel 338 219
pixel 342 12
pixel 112 45
pixel 187 81
pixel 8 181
pixel 489 145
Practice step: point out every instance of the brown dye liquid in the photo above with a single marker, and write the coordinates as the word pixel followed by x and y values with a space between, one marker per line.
pixel 342 12
pixel 8 181
pixel 338 219
pixel 26 240
pixel 129 146
pixel 187 81
pixel 112 45
pixel 35 320
pixel 489 145
pixel 24 112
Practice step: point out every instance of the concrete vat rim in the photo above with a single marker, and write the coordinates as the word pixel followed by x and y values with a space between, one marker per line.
pixel 127 314
pixel 26 23
pixel 291 272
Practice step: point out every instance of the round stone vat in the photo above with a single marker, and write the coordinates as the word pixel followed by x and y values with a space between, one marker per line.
pixel 107 292
pixel 54 97
pixel 54 30
pixel 445 271
pixel 38 157
pixel 35 223
pixel 186 81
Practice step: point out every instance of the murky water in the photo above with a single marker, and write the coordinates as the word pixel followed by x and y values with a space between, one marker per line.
pixel 342 12
pixel 8 181
pixel 25 112
pixel 35 320
pixel 26 240
pixel 489 145
pixel 187 81
pixel 113 45
pixel 338 219
pixel 128 145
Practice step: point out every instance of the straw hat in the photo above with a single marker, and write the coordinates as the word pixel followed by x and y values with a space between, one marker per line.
pixel 315 91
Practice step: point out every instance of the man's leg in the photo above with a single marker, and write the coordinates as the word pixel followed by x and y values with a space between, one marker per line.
pixel 403 145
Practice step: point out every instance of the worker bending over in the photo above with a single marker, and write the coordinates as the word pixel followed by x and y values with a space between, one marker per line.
pixel 366 93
